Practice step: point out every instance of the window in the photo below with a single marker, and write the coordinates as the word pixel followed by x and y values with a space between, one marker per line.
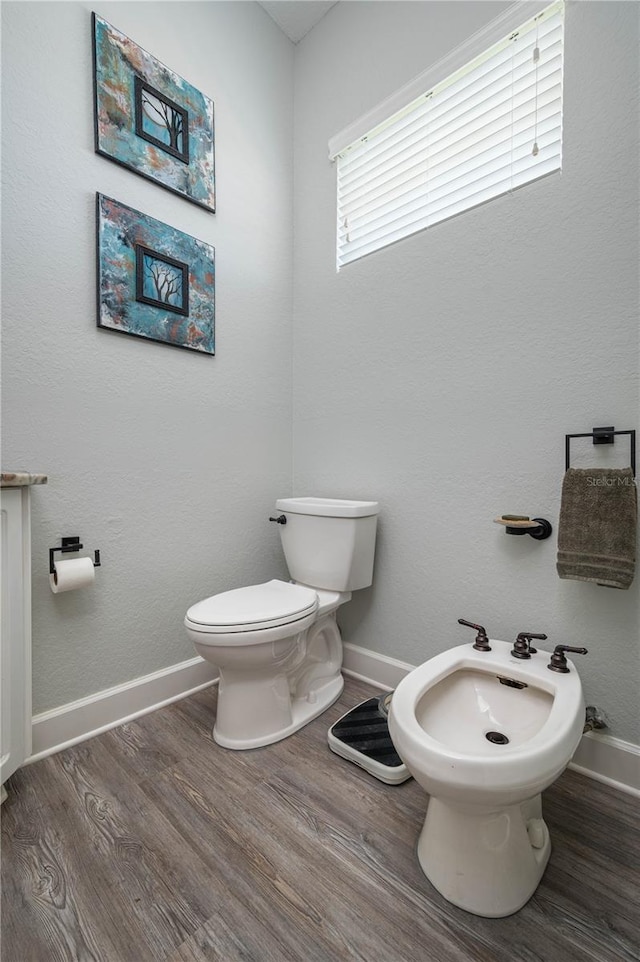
pixel 488 128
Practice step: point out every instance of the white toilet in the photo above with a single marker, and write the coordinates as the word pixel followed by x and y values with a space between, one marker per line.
pixel 484 734
pixel 277 645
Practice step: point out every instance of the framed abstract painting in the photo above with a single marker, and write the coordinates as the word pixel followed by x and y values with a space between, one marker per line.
pixel 149 119
pixel 153 281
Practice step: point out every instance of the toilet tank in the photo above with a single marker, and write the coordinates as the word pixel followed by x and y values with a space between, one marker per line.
pixel 329 543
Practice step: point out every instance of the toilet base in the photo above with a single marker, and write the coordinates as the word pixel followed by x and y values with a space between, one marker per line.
pixel 302 711
pixel 488 863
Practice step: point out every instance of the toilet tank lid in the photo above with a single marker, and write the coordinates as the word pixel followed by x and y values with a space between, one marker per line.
pixel 328 507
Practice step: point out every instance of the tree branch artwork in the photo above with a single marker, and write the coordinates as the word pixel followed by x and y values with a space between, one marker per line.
pixel 151 120
pixel 166 280
pixel 154 281
pixel 161 281
pixel 161 114
pixel 161 121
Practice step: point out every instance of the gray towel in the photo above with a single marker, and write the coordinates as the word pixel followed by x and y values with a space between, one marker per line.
pixel 597 529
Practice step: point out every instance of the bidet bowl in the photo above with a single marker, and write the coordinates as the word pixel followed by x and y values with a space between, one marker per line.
pixel 484 733
pixel 443 711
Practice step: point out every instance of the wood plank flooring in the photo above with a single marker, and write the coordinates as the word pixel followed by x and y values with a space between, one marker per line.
pixel 150 843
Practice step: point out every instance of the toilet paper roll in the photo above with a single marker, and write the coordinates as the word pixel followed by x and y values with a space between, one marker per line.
pixel 69 575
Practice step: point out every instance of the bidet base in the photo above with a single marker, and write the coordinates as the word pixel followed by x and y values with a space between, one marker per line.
pixel 297 713
pixel 488 863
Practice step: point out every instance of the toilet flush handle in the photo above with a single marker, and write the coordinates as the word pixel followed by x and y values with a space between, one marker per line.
pixel 281 519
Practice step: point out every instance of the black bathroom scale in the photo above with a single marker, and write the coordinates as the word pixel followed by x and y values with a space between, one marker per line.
pixel 362 736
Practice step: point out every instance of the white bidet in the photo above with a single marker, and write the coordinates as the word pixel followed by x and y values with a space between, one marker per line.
pixel 485 733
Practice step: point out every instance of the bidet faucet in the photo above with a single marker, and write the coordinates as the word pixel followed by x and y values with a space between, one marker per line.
pixel 482 642
pixel 558 658
pixel 522 646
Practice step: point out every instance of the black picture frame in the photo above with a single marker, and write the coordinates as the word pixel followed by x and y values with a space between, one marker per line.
pixel 140 88
pixel 143 254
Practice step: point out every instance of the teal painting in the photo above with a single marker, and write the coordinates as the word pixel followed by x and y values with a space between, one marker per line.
pixel 154 281
pixel 149 119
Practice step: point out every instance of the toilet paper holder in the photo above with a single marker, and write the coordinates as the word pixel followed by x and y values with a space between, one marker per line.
pixel 70 544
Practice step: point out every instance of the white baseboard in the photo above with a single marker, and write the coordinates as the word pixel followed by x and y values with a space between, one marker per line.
pixel 602 757
pixel 609 760
pixel 374 668
pixel 75 722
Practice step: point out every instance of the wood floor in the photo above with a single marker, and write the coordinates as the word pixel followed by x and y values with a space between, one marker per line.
pixel 152 844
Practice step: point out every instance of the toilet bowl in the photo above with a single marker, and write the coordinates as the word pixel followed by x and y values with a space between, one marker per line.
pixel 277 671
pixel 484 734
pixel 277 645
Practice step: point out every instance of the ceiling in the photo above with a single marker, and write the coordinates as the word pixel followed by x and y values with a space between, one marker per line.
pixel 296 17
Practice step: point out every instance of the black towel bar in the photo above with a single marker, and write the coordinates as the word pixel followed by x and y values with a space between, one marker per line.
pixel 602 436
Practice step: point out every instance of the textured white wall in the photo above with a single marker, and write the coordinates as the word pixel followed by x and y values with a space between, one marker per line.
pixel 441 375
pixel 166 460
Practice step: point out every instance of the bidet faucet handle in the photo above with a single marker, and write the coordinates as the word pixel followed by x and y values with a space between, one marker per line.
pixel 523 643
pixel 558 658
pixel 281 519
pixel 482 642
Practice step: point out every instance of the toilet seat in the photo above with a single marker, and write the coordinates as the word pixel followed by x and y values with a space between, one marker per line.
pixel 273 604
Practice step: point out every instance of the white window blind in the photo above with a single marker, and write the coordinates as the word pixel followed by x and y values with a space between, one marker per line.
pixel 490 127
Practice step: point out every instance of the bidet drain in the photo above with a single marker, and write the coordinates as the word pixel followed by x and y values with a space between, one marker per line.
pixel 497 738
